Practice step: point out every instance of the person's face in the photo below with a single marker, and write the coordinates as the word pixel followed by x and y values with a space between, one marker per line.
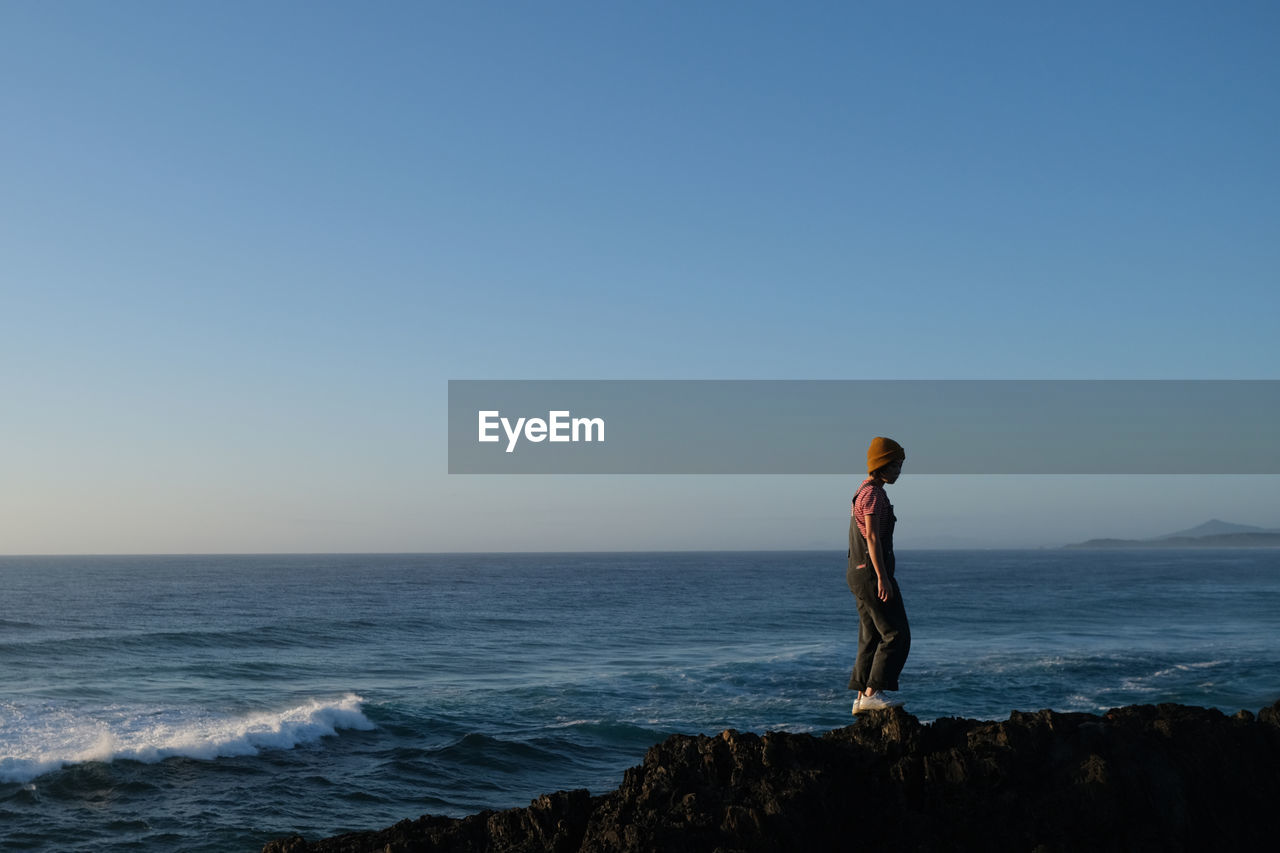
pixel 892 471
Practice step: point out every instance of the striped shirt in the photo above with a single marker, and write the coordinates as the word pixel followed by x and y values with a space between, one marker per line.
pixel 871 500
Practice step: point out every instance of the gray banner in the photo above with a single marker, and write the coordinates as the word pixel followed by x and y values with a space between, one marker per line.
pixel 824 426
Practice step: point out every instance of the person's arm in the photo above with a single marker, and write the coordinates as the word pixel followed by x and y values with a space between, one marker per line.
pixel 884 589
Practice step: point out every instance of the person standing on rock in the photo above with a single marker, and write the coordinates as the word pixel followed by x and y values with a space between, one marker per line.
pixel 884 638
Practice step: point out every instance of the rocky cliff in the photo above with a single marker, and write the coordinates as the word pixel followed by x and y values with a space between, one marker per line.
pixel 1166 777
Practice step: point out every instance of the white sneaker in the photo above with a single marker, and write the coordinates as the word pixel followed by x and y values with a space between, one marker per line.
pixel 857 703
pixel 877 702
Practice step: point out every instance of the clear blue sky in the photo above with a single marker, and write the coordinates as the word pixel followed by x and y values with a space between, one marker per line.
pixel 243 247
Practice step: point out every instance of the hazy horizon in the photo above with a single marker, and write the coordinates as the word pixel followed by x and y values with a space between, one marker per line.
pixel 907 540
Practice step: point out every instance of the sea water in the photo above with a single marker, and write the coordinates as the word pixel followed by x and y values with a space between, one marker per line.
pixel 210 703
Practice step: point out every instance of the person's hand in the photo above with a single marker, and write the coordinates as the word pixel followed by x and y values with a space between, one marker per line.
pixel 884 591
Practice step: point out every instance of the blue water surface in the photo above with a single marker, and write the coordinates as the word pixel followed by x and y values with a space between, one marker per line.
pixel 211 703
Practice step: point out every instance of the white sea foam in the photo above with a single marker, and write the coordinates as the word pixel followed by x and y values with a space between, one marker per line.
pixel 35 740
pixel 1180 668
pixel 572 724
pixel 1158 681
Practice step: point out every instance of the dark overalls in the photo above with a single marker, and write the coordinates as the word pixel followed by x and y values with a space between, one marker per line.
pixel 884 638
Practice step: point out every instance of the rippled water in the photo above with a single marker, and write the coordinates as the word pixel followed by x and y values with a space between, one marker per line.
pixel 212 703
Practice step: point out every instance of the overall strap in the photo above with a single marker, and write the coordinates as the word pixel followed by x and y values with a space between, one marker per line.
pixel 858 556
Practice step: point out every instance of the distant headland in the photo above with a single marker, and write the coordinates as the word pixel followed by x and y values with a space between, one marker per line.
pixel 1211 534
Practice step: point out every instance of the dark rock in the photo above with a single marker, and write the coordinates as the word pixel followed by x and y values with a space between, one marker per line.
pixel 1164 777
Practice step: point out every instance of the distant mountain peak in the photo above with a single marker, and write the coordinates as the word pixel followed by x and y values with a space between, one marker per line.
pixel 1214 533
pixel 1214 527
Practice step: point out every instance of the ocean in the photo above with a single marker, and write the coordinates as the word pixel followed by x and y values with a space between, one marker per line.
pixel 211 703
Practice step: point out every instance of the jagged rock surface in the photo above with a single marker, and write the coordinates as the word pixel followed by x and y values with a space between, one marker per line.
pixel 1164 777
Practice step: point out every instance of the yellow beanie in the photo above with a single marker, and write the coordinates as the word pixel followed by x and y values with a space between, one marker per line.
pixel 883 451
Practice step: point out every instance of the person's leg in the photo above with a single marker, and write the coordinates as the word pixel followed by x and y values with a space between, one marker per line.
pixel 868 641
pixel 890 622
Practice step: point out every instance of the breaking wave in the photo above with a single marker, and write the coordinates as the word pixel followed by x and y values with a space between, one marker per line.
pixel 35 740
